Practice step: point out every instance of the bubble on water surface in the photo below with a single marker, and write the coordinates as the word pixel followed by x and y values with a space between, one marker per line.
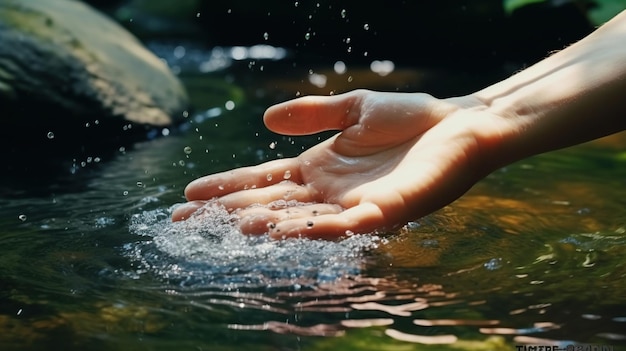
pixel 209 250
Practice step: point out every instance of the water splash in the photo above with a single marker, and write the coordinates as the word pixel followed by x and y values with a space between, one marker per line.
pixel 208 250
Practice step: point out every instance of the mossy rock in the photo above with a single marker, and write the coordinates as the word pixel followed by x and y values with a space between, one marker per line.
pixel 64 65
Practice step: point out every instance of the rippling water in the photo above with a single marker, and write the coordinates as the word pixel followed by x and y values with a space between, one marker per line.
pixel 208 250
pixel 533 255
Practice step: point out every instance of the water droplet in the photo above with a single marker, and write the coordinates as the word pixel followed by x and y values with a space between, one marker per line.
pixel 22 217
pixel 50 135
pixel 273 145
pixel 179 52
pixel 493 264
pixel 287 174
pixel 187 150
pixel 269 177
pixel 366 26
pixel 309 224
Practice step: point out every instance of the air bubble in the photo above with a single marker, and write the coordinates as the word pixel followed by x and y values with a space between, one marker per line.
pixel 349 233
pixel 187 150
pixel 266 35
pixel 366 26
pixel 22 217
pixel 307 36
pixel 269 177
pixel 273 145
pixel 140 184
pixel 309 224
pixel 287 174
pixel 50 135
pixel 125 193
pixel 343 13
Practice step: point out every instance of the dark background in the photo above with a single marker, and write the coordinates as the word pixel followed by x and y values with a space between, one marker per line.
pixel 475 33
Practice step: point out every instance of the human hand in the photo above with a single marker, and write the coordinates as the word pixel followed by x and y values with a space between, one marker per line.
pixel 399 156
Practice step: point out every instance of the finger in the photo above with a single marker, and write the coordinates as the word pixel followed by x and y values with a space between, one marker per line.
pixel 260 220
pixel 219 184
pixel 313 114
pixel 287 192
pixel 363 218
pixel 185 210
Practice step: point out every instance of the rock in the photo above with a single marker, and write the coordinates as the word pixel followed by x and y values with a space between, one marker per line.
pixel 63 66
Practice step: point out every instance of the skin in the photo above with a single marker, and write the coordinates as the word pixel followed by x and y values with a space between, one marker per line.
pixel 400 156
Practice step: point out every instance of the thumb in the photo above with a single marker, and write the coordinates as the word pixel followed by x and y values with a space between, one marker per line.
pixel 314 114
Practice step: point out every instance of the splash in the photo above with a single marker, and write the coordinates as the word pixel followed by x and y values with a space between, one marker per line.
pixel 208 250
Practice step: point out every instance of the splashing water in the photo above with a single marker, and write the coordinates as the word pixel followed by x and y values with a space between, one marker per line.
pixel 208 250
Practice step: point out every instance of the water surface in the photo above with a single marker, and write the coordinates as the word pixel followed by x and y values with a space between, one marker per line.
pixel 533 254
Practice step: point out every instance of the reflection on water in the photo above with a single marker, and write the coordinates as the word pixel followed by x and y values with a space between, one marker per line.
pixel 534 254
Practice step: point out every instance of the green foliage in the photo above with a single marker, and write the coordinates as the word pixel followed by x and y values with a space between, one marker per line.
pixel 512 5
pixel 598 11
pixel 605 10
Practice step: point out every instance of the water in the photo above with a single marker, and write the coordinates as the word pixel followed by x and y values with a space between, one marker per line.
pixel 533 254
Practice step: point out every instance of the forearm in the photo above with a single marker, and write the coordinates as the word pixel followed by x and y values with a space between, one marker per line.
pixel 573 96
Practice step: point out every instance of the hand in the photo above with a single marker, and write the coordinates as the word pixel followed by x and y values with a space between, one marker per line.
pixel 399 156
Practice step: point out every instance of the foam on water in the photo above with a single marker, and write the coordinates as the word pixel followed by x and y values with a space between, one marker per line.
pixel 209 250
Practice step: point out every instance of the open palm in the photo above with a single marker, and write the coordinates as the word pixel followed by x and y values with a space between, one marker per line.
pixel 398 157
